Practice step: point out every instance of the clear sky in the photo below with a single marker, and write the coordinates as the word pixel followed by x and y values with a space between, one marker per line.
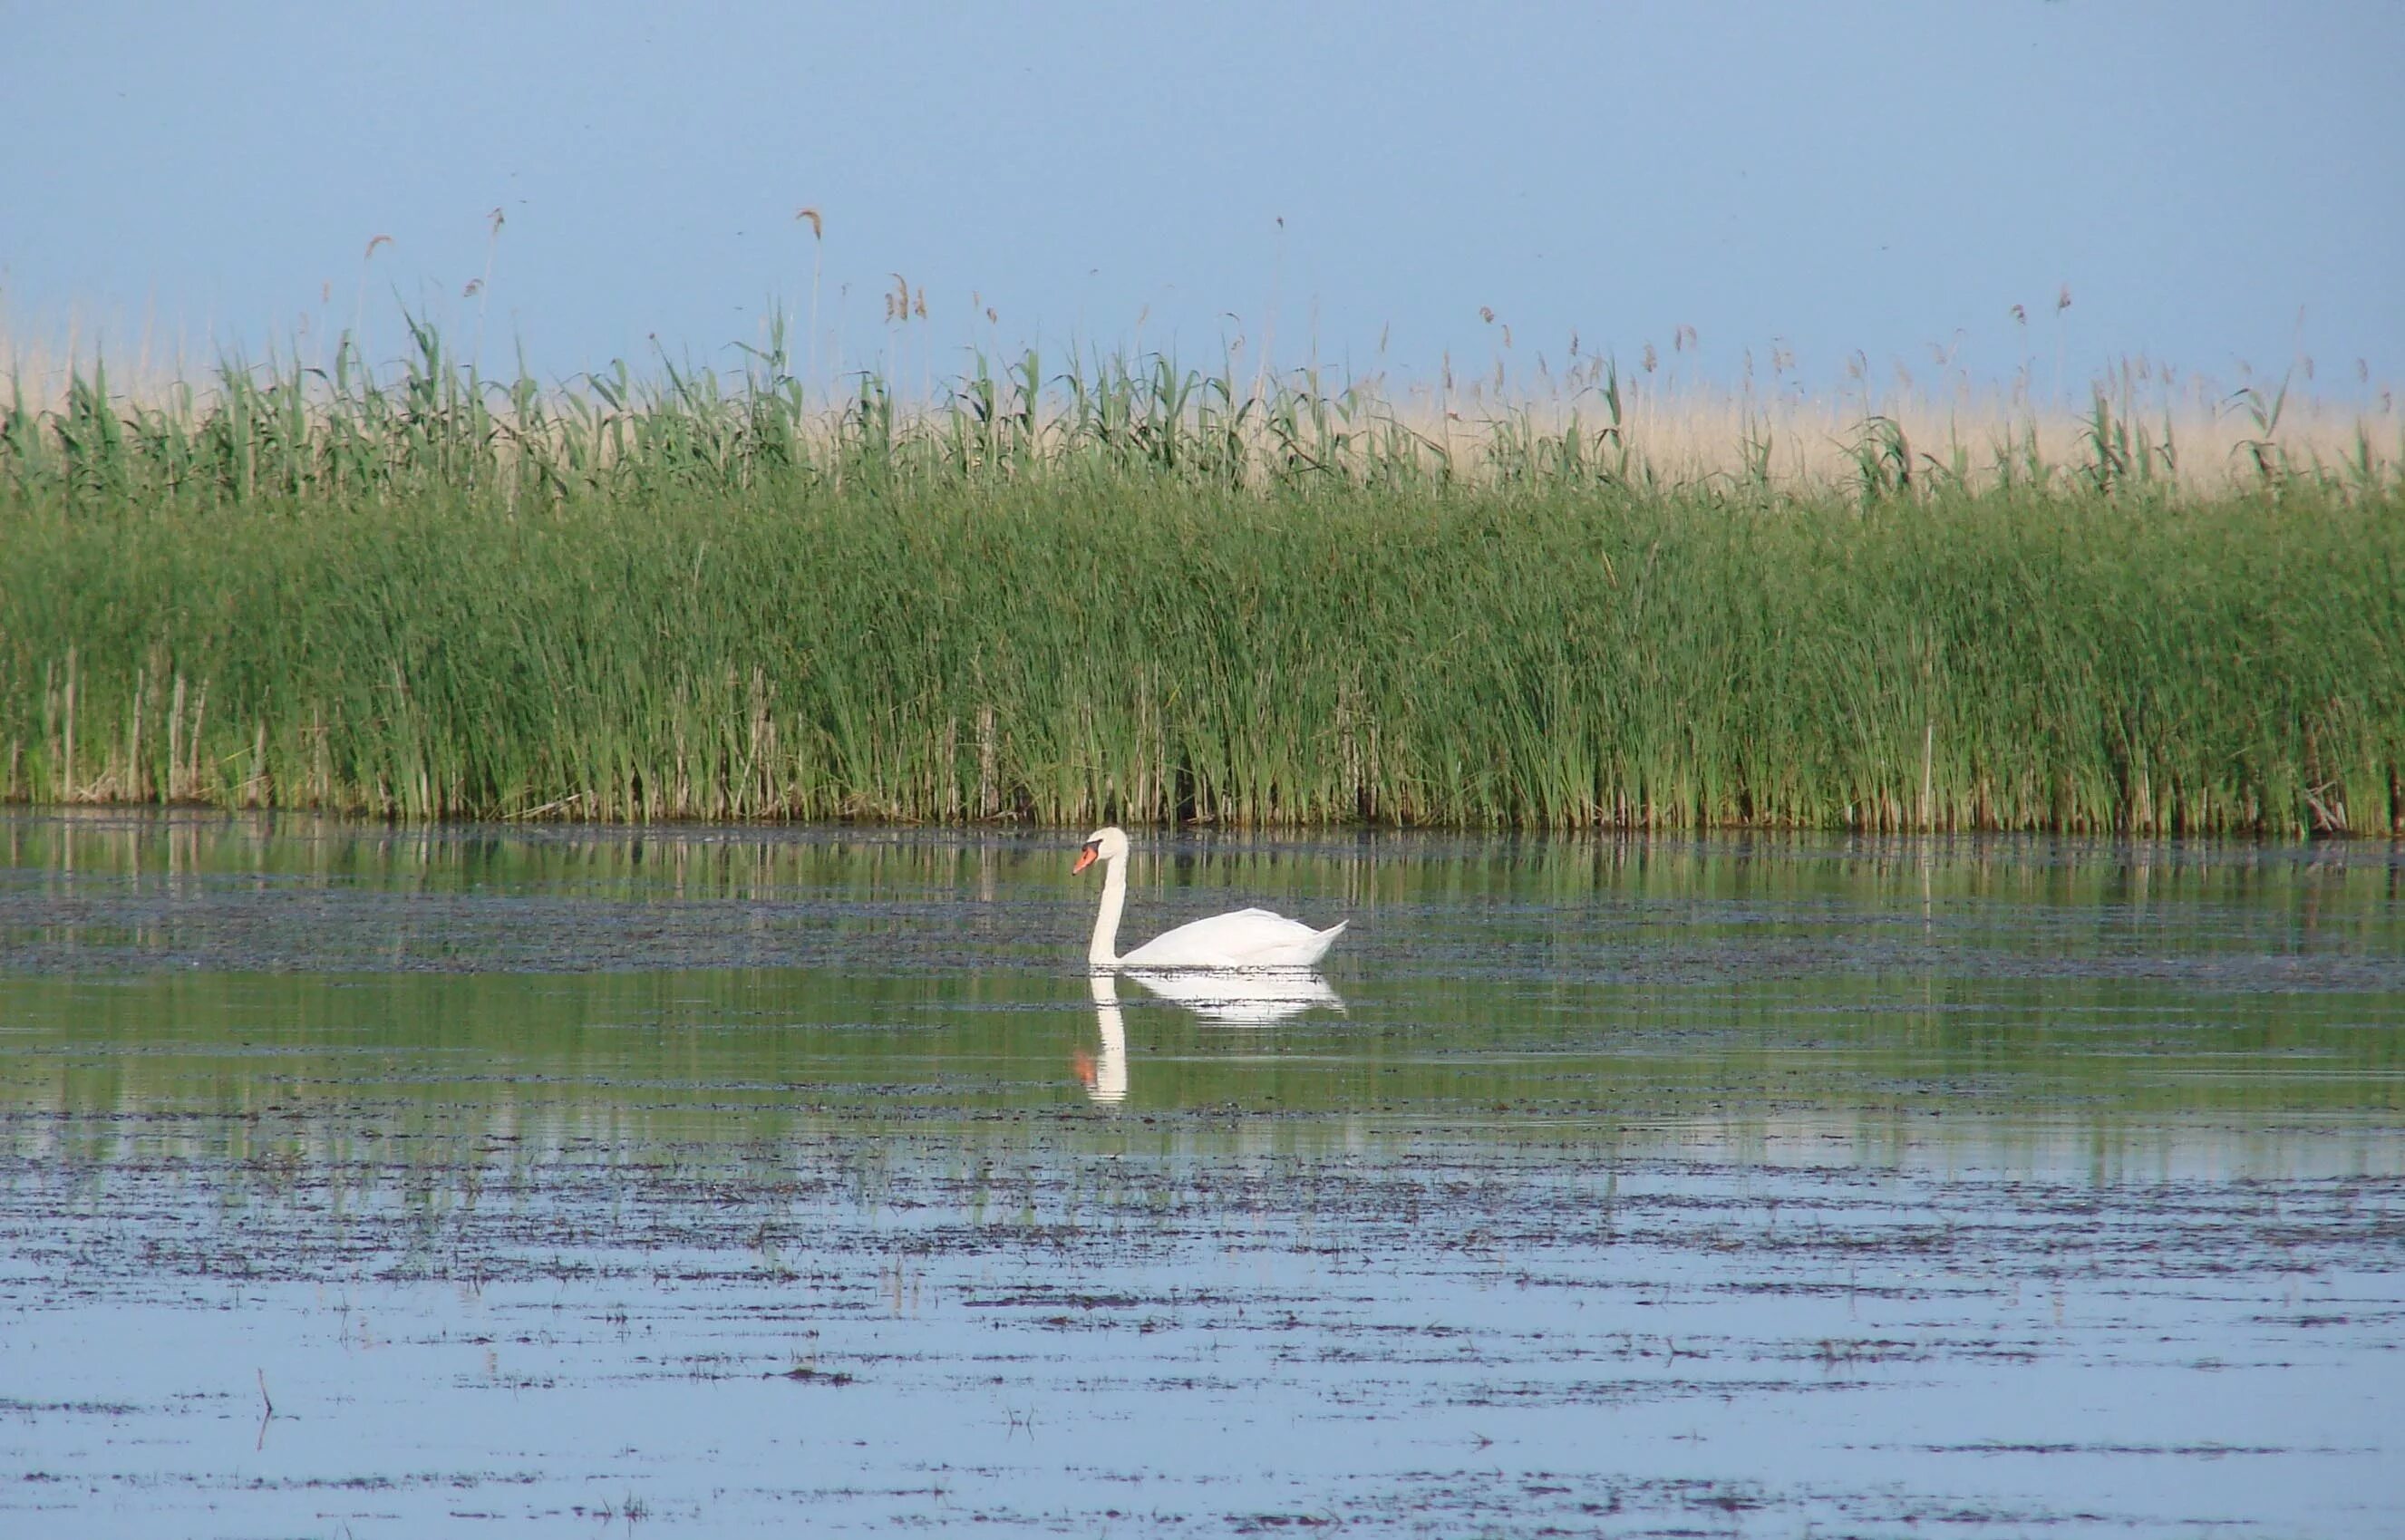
pixel 1829 177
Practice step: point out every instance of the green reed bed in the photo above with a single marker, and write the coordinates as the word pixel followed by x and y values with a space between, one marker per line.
pixel 1164 598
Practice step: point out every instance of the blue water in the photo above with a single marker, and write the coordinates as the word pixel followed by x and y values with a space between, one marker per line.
pixel 579 1181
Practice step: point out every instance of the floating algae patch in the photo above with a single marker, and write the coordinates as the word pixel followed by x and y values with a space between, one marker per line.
pixel 720 1181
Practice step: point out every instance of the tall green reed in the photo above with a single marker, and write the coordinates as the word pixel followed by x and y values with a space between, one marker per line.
pixel 1088 648
pixel 1133 591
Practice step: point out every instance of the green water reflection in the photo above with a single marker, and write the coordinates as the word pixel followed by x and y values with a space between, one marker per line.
pixel 251 987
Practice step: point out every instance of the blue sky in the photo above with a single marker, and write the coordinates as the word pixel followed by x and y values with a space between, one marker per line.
pixel 2213 182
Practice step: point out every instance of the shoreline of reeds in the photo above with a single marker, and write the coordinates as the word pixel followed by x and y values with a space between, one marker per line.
pixel 1131 593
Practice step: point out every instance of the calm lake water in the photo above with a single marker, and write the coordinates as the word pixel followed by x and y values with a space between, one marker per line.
pixel 363 1180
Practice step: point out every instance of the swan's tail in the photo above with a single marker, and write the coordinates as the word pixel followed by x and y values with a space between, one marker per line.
pixel 1325 939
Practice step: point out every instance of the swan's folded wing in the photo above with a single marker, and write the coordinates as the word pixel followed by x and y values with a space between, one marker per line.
pixel 1249 938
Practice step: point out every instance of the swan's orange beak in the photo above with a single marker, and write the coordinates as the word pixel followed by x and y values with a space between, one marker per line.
pixel 1085 858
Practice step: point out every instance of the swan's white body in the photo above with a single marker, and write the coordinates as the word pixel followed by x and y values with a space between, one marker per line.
pixel 1249 938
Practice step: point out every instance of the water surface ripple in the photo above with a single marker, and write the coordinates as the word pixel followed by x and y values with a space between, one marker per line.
pixel 366 1179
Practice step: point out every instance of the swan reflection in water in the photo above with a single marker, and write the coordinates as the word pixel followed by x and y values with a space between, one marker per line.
pixel 1105 1076
pixel 1256 997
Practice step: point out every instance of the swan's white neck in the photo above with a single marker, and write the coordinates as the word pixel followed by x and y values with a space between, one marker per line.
pixel 1104 952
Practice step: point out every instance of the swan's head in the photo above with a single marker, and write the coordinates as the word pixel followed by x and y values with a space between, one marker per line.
pixel 1102 845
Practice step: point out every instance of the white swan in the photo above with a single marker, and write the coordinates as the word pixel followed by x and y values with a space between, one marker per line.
pixel 1249 938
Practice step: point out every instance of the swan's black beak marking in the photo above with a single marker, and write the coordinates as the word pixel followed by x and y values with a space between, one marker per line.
pixel 1085 856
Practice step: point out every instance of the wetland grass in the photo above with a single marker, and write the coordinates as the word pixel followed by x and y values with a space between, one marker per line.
pixel 1142 594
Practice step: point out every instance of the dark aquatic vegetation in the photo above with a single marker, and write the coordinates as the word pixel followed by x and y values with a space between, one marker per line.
pixel 720 1181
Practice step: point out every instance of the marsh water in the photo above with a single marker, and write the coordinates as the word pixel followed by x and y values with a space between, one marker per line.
pixel 358 1180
